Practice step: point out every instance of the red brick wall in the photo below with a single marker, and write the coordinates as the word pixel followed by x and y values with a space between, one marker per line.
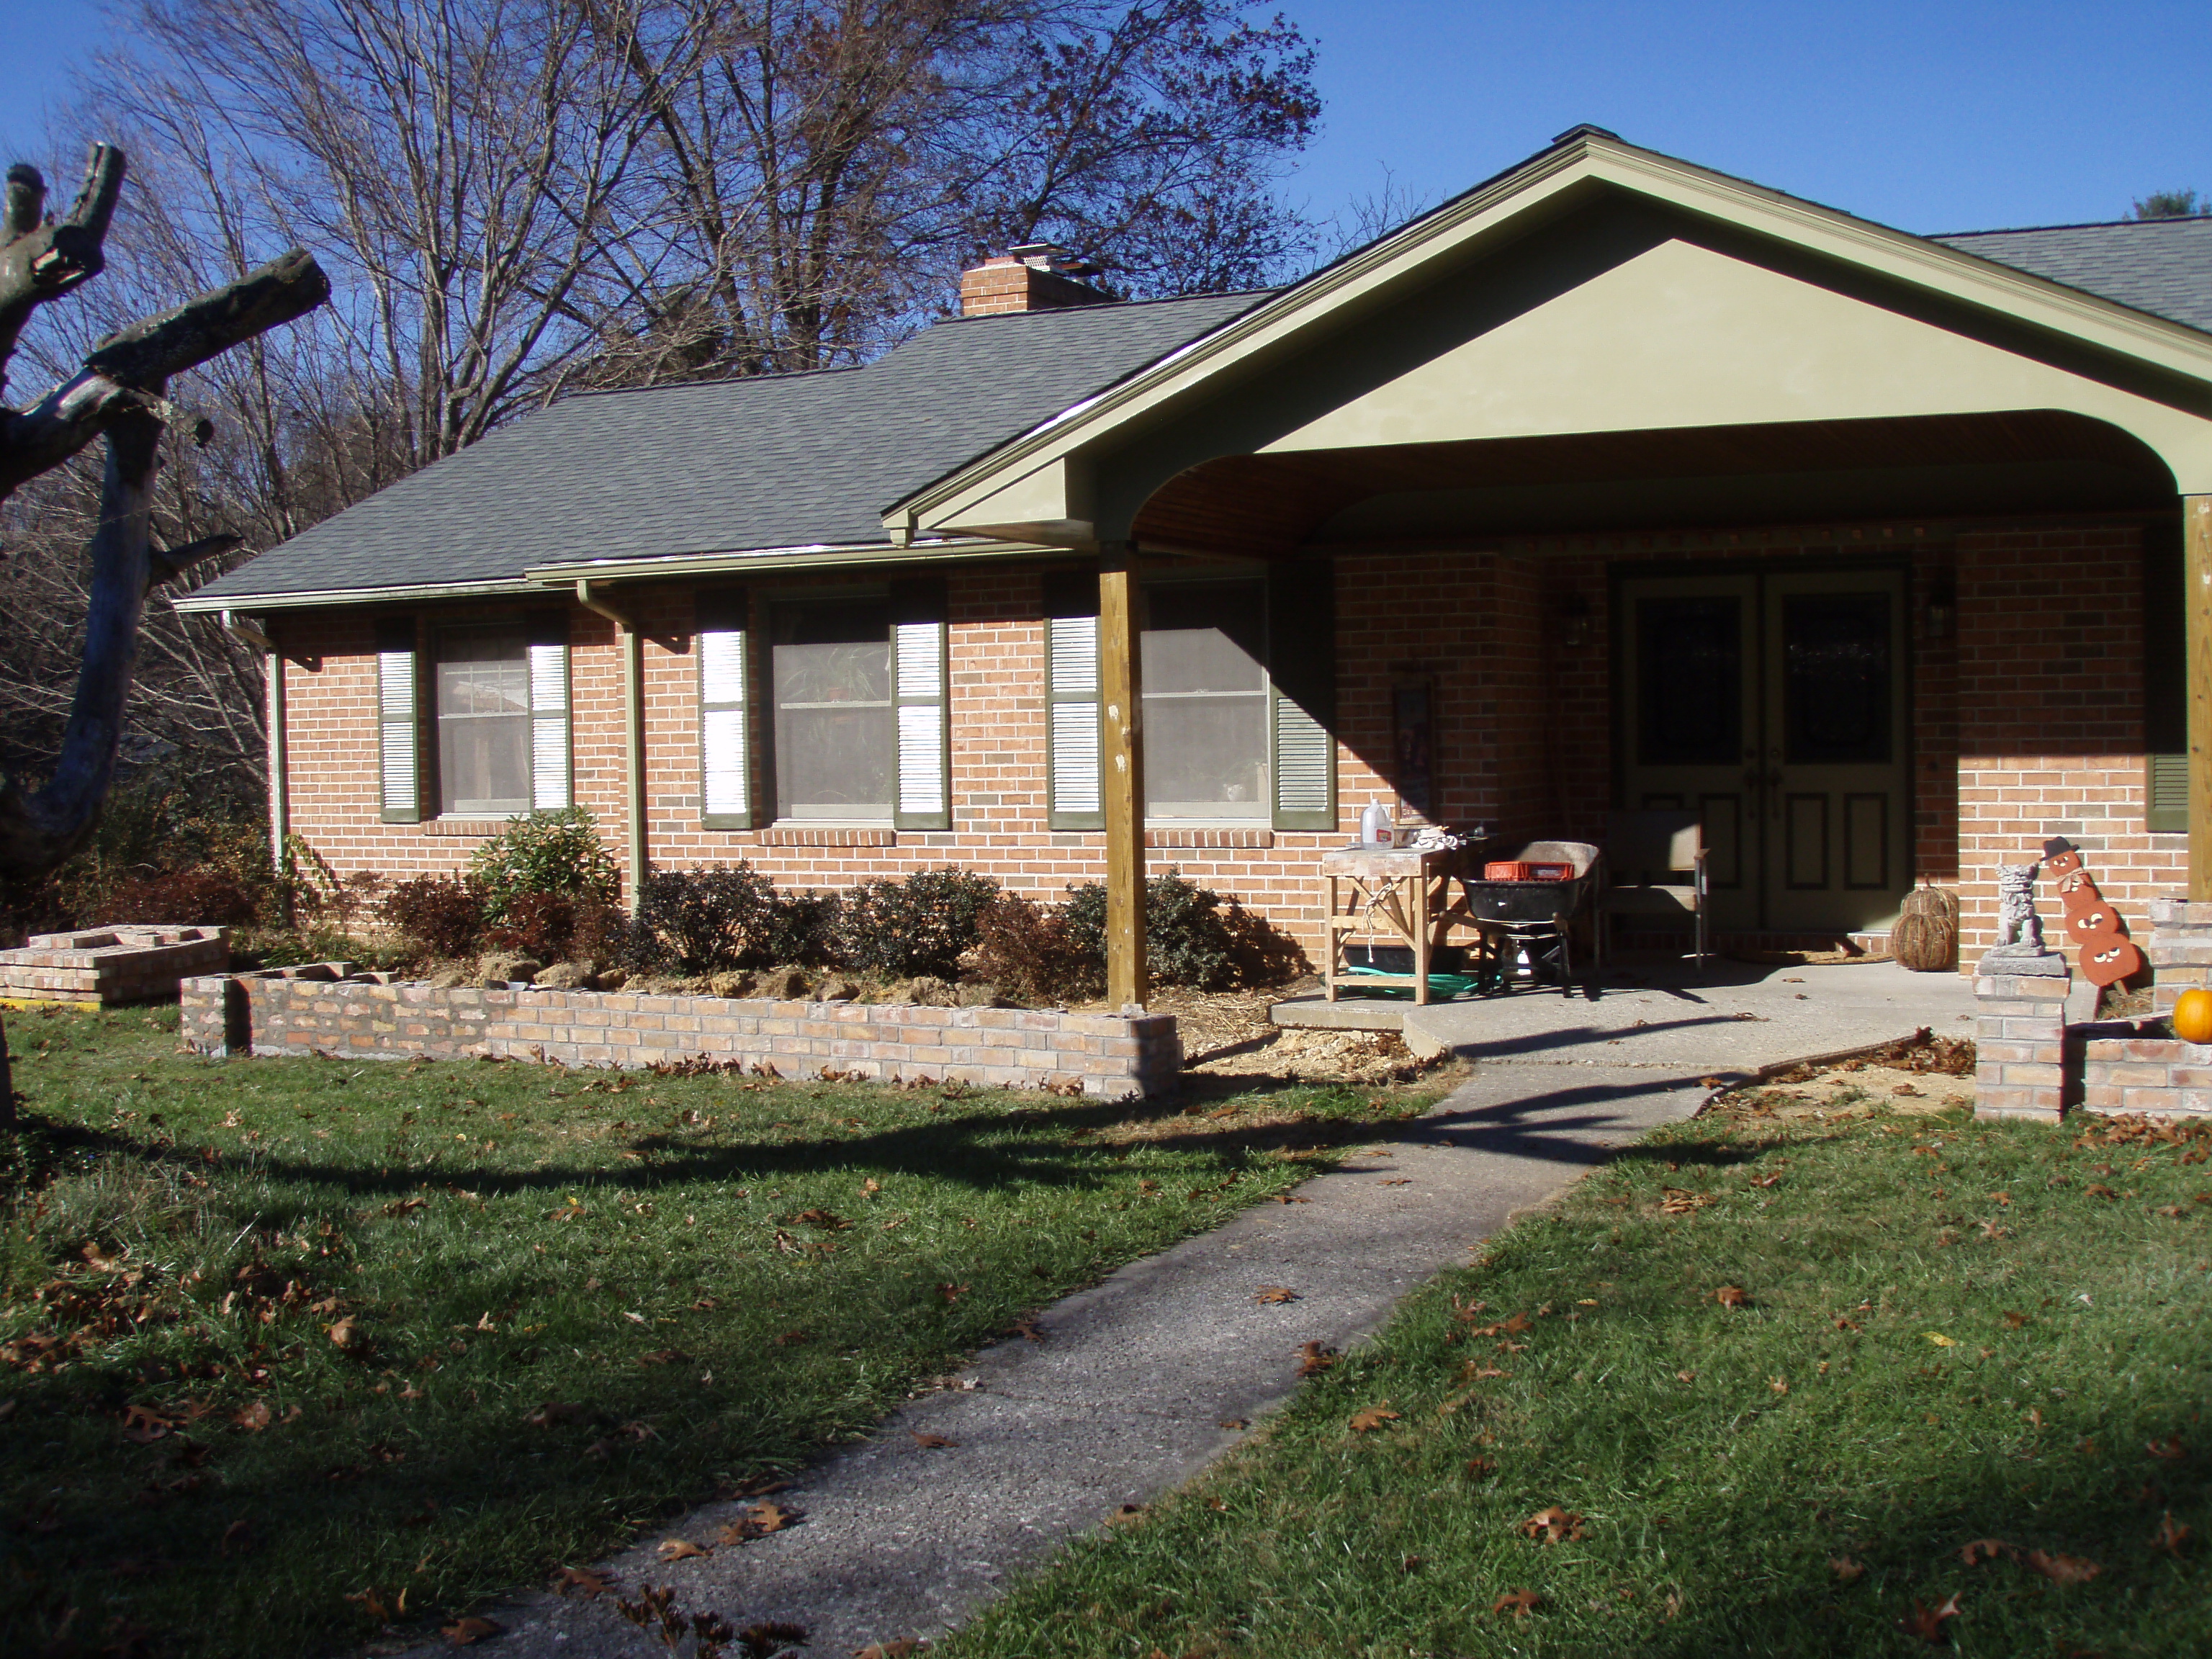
pixel 2006 750
pixel 2050 719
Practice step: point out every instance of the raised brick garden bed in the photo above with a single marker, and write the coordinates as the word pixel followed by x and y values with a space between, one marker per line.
pixel 110 965
pixel 328 1008
pixel 2032 1063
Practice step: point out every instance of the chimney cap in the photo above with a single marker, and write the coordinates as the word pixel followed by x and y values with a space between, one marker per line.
pixel 1050 256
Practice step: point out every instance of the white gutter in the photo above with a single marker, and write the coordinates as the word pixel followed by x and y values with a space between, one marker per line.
pixel 203 604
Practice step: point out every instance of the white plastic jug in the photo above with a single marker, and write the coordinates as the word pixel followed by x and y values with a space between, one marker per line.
pixel 1374 825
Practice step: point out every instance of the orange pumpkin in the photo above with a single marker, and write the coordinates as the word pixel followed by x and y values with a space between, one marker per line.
pixel 2192 1016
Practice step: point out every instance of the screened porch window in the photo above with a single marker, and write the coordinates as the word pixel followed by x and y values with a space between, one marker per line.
pixel 830 668
pixel 1205 701
pixel 484 721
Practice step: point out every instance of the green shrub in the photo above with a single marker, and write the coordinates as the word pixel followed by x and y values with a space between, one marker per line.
pixel 1186 941
pixel 548 852
pixel 923 925
pixel 443 915
pixel 702 921
pixel 801 929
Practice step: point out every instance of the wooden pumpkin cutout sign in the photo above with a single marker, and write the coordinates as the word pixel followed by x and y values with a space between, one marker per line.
pixel 2107 952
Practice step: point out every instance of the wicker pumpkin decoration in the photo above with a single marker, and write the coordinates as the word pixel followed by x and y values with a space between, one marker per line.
pixel 2192 1015
pixel 1926 937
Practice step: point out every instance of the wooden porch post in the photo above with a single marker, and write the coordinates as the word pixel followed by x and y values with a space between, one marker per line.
pixel 1121 620
pixel 2197 559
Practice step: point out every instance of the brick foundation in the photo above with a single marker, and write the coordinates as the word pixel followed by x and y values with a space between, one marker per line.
pixel 328 1009
pixel 111 965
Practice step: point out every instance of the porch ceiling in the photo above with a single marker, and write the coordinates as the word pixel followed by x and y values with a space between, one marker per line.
pixel 2038 460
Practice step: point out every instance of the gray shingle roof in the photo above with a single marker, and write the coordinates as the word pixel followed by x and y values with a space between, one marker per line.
pixel 782 461
pixel 2163 266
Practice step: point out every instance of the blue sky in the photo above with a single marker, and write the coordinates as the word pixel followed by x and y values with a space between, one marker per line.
pixel 1931 117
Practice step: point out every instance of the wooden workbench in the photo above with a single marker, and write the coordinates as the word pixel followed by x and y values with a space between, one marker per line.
pixel 1390 898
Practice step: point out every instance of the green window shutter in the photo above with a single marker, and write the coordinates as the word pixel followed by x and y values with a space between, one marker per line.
pixel 550 771
pixel 920 701
pixel 398 718
pixel 724 713
pixel 1072 736
pixel 1302 708
pixel 2165 794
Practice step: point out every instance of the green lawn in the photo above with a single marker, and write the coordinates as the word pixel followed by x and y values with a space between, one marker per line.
pixel 1954 1331
pixel 277 1337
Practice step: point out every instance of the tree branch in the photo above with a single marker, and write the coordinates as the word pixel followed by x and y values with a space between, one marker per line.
pixel 41 259
pixel 121 372
pixel 37 832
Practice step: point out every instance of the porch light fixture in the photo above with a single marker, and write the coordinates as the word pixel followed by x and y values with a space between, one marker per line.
pixel 1939 612
pixel 1574 621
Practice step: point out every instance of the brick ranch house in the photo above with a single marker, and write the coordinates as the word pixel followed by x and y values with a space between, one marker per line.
pixel 1612 482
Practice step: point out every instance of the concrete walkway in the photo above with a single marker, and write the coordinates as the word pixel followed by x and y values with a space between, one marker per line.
pixel 1127 1393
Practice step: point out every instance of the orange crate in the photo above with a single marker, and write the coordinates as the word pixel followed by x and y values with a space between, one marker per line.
pixel 1507 870
pixel 1548 872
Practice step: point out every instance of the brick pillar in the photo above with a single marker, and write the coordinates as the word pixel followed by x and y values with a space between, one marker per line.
pixel 2179 950
pixel 2020 1032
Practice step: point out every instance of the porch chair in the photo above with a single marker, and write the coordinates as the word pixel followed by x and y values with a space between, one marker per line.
pixel 1643 851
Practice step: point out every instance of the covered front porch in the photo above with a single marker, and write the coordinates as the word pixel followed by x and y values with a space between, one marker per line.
pixel 1637 487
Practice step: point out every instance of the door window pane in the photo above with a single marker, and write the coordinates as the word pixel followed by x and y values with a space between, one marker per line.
pixel 1205 701
pixel 484 721
pixel 830 665
pixel 1689 655
pixel 1835 678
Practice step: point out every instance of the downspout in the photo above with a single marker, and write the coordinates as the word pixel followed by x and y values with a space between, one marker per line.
pixel 274 716
pixel 633 727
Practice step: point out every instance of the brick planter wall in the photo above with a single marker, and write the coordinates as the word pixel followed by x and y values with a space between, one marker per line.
pixel 326 1009
pixel 110 965
pixel 2110 1066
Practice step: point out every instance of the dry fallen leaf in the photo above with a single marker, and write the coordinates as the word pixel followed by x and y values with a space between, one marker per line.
pixel 1374 1416
pixel 1520 1603
pixel 1315 1357
pixel 1553 1525
pixel 237 1536
pixel 1845 1569
pixel 1481 1468
pixel 255 1418
pixel 1940 1340
pixel 1233 1423
pixel 931 1442
pixel 1732 1295
pixel 2170 1535
pixel 758 1521
pixel 1124 1514
pixel 1686 1377
pixel 2062 1569
pixel 587 1581
pixel 1984 1549
pixel 1779 1384
pixel 1270 1295
pixel 951 1293
pixel 682 1549
pixel 1927 1622
pixel 554 1414
pixel 464 1632
pixel 2170 1447
pixel 904 1647
pixel 2014 1320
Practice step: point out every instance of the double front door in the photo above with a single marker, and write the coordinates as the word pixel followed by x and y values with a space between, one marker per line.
pixel 1773 703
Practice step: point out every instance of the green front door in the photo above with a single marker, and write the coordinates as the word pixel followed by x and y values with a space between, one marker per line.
pixel 1773 702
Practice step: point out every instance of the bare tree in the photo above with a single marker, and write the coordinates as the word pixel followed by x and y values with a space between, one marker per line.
pixel 118 393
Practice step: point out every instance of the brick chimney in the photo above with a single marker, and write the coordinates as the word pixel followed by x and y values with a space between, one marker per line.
pixel 1036 277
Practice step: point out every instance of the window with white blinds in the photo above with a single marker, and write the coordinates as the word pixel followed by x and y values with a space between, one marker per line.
pixel 1237 682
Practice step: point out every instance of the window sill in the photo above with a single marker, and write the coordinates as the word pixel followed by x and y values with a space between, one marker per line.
pixel 471 827
pixel 828 834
